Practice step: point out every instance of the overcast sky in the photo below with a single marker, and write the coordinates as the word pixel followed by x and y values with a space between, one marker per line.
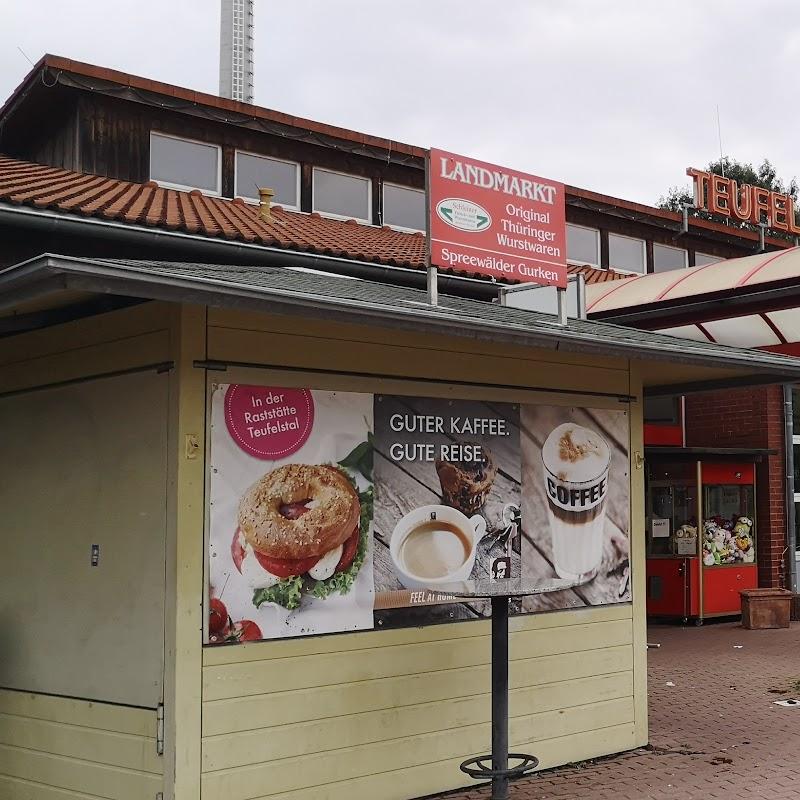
pixel 618 96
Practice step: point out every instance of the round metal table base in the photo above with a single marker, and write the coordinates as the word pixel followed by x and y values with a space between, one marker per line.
pixel 480 767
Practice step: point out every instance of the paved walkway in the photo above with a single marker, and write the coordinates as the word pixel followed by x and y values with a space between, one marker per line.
pixel 715 734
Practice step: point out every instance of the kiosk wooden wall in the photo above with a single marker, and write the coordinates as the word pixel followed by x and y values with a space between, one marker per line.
pixel 57 748
pixel 384 714
pixel 390 714
pixel 105 481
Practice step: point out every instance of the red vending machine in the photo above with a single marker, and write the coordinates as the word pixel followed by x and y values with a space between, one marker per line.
pixel 701 536
pixel 728 562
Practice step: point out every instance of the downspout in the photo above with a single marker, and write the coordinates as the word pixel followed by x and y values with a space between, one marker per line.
pixel 791 537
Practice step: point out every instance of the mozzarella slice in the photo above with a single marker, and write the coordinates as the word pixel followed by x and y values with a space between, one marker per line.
pixel 326 566
pixel 255 575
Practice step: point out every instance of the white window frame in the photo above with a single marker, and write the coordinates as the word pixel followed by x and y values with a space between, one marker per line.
pixel 400 186
pixel 669 247
pixel 578 262
pixel 622 269
pixel 295 207
pixel 331 214
pixel 717 259
pixel 180 186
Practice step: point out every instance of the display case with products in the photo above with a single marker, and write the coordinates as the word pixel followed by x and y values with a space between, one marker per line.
pixel 701 536
pixel 729 536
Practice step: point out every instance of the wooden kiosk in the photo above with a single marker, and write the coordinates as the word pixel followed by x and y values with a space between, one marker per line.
pixel 112 686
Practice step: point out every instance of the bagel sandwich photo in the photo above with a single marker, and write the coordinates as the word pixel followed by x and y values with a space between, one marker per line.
pixel 303 529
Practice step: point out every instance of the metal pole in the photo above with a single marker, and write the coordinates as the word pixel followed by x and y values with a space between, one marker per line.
pixel 581 296
pixel 433 273
pixel 562 305
pixel 790 488
pixel 433 286
pixel 500 696
pixel 700 531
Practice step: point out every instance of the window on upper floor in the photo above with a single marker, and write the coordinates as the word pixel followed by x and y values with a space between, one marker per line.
pixel 583 245
pixel 666 258
pixel 705 258
pixel 403 207
pixel 342 195
pixel 254 172
pixel 185 164
pixel 626 253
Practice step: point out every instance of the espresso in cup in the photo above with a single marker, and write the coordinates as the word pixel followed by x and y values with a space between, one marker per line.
pixel 435 545
pixel 434 549
pixel 575 464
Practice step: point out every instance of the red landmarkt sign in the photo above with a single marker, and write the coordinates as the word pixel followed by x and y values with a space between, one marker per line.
pixel 496 221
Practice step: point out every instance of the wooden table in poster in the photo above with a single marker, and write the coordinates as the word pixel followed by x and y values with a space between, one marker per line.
pixel 495 767
pixel 405 488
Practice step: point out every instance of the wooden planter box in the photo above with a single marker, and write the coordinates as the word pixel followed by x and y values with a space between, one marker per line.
pixel 766 608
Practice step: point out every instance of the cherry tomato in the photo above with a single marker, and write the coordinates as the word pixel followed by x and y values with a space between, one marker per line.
pixel 217 616
pixel 247 631
pixel 237 551
pixel 348 552
pixel 285 567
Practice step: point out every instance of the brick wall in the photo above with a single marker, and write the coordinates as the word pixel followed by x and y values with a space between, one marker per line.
pixel 750 417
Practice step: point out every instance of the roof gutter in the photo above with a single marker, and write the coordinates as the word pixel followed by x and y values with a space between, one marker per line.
pixel 186 246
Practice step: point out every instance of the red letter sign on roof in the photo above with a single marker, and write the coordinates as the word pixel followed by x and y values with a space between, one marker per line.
pixel 496 221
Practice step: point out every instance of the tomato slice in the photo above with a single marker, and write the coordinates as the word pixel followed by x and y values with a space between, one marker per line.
pixel 348 551
pixel 285 567
pixel 282 567
pixel 237 551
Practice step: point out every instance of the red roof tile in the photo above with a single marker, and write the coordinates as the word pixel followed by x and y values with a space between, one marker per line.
pixel 81 194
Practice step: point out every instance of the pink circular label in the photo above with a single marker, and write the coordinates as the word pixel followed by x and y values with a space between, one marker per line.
pixel 269 422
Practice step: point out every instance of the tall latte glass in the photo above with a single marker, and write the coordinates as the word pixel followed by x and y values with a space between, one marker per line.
pixel 575 464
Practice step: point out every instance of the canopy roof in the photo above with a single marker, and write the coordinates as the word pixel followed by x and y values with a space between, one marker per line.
pixel 51 285
pixel 722 279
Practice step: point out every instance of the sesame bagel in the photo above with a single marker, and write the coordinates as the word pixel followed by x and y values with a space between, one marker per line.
pixel 332 515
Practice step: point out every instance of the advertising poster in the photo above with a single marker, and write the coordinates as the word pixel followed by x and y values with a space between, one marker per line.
pixel 576 504
pixel 291 498
pixel 447 507
pixel 341 511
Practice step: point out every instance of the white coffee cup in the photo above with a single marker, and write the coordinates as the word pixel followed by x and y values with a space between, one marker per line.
pixel 576 486
pixel 442 541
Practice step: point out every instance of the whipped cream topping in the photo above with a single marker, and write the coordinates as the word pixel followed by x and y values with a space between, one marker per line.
pixel 575 454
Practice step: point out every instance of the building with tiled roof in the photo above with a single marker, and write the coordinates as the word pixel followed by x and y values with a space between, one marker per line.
pixel 130 166
pixel 191 241
pixel 148 205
